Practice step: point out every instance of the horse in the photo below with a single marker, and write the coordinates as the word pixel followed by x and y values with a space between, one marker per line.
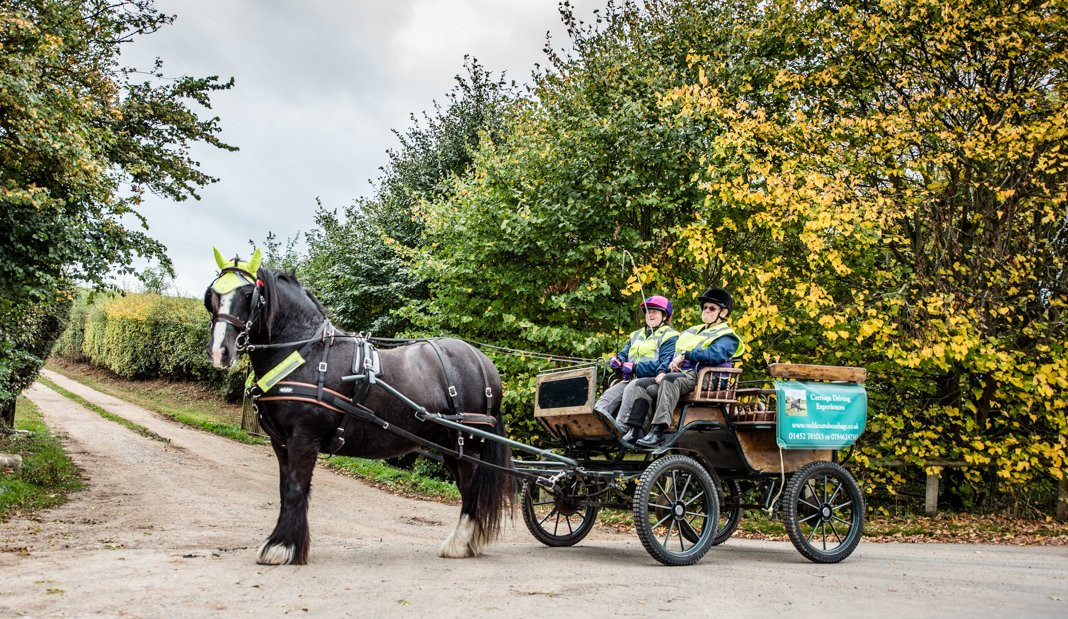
pixel 261 313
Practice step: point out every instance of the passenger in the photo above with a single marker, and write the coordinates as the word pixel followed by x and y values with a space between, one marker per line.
pixel 710 344
pixel 647 353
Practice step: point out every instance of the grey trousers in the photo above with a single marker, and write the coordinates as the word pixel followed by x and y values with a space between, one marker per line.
pixel 637 401
pixel 640 394
pixel 672 387
pixel 610 400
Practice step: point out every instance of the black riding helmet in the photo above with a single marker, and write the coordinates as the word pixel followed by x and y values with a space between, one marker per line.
pixel 718 296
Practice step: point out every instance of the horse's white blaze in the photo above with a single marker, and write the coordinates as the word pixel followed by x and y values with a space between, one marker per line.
pixel 275 554
pixel 466 541
pixel 218 332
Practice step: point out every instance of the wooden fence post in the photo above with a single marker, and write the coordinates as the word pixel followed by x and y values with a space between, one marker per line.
pixel 1062 499
pixel 930 504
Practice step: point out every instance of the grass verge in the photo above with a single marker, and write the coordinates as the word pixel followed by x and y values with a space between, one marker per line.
pixel 106 414
pixel 393 479
pixel 46 476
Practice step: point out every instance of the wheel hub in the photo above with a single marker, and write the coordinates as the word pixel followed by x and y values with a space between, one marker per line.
pixel 825 512
pixel 679 510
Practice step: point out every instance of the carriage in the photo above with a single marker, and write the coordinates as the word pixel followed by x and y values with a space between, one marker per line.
pixel 730 448
pixel 727 444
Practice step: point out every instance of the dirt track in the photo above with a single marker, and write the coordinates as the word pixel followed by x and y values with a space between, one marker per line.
pixel 169 529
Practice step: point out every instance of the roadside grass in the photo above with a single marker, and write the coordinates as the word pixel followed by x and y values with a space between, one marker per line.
pixel 397 480
pixel 103 412
pixel 46 476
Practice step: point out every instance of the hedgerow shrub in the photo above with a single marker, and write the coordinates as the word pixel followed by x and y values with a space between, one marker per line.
pixel 146 336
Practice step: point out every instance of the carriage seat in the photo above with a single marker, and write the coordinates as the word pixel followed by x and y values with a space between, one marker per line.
pixel 714 386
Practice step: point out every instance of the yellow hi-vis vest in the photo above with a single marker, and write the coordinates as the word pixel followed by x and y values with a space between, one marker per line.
pixel 647 347
pixel 694 338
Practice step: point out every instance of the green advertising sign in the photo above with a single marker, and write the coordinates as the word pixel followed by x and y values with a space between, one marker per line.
pixel 819 415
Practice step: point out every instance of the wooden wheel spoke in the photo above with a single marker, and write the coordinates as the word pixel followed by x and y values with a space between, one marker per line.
pixel 667 536
pixel 547 516
pixel 839 519
pixel 838 537
pixel 696 496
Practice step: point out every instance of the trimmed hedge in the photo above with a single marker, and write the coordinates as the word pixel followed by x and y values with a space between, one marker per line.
pixel 144 336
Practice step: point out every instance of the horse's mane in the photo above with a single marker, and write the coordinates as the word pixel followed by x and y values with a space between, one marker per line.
pixel 285 294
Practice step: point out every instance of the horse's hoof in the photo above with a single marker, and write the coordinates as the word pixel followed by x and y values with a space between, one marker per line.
pixel 275 554
pixel 464 542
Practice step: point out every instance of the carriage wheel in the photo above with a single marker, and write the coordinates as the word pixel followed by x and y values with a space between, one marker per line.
pixel 824 512
pixel 557 520
pixel 730 510
pixel 676 510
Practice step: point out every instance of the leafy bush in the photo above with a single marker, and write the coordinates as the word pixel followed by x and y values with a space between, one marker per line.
pixel 148 336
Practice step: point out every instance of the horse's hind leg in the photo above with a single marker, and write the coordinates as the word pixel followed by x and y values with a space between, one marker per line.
pixel 467 540
pixel 290 540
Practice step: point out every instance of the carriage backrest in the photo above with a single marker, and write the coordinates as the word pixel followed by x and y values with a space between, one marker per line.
pixel 563 404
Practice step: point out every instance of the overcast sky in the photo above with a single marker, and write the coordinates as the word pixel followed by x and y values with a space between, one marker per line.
pixel 319 84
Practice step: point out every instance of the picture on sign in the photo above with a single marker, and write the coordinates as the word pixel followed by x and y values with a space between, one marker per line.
pixel 795 402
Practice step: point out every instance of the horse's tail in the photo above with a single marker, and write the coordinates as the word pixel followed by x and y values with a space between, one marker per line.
pixel 495 486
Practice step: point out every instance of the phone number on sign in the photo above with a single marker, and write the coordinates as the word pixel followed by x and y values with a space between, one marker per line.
pixel 819 436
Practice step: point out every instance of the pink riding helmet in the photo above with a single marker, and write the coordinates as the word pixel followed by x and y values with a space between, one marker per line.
pixel 657 302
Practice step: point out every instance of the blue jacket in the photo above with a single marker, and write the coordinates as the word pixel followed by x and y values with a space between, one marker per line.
pixel 651 367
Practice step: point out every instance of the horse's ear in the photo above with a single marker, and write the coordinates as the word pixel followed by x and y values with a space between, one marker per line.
pixel 254 262
pixel 219 260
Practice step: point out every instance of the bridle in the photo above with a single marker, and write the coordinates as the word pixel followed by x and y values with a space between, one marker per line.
pixel 258 301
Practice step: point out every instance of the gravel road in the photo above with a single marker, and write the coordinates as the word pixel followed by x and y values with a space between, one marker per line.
pixel 171 529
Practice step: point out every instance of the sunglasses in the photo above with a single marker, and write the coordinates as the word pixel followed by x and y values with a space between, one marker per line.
pixel 709 307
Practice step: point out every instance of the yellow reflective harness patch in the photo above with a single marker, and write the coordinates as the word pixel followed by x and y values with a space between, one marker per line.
pixel 280 371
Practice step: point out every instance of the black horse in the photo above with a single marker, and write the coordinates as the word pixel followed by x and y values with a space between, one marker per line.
pixel 273 308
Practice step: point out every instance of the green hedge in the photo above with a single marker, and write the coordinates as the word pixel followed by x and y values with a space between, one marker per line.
pixel 144 336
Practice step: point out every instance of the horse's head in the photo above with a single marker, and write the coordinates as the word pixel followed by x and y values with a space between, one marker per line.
pixel 234 299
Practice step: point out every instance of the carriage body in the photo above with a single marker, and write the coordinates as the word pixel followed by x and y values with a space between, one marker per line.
pixel 722 436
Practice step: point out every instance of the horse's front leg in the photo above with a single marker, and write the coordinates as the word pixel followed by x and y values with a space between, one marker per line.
pixel 290 540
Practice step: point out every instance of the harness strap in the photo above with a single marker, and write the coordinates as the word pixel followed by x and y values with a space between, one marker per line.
pixel 450 385
pixel 328 339
pixel 485 379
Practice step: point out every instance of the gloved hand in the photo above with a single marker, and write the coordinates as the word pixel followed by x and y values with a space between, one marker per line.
pixel 627 368
pixel 615 363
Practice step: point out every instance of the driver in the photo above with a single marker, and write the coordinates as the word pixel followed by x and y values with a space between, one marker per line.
pixel 647 353
pixel 713 343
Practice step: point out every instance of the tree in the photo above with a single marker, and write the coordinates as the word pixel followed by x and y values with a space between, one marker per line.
pixel 82 140
pixel 547 242
pixel 903 166
pixel 535 248
pixel 359 263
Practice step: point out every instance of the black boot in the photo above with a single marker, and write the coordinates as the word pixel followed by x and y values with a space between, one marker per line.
pixel 655 436
pixel 634 434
